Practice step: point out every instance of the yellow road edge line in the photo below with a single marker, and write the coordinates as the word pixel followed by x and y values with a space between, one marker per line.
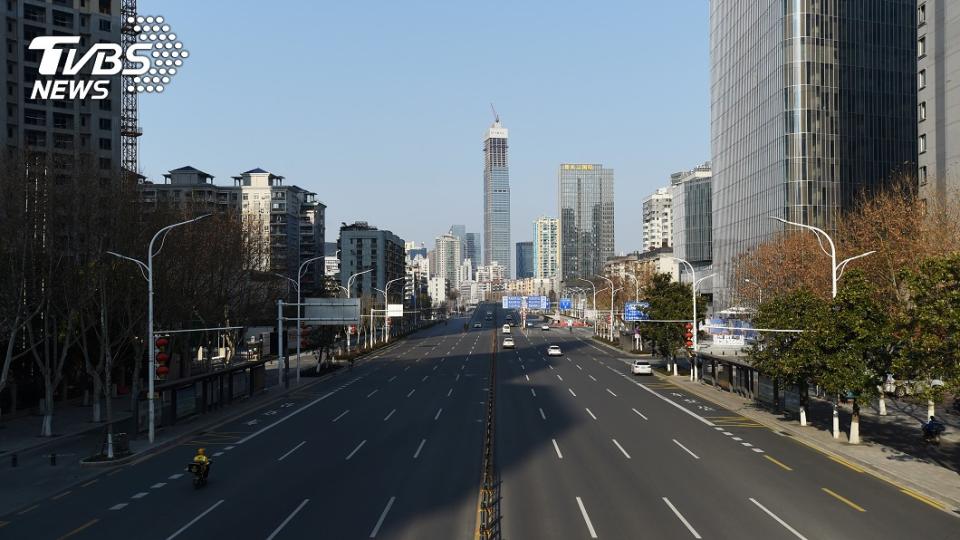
pixel 64 494
pixel 782 465
pixel 936 504
pixel 25 510
pixel 846 464
pixel 94 481
pixel 80 528
pixel 843 499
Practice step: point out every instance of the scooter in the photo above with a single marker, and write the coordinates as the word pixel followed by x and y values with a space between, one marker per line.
pixel 200 473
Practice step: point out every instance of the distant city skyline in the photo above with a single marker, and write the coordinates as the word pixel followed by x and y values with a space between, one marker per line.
pixel 396 114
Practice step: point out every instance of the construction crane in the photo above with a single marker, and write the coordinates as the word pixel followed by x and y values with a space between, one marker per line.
pixel 496 117
pixel 129 123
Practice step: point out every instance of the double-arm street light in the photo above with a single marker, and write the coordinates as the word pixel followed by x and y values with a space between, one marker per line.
pixel 613 293
pixel 147 271
pixel 349 289
pixel 696 331
pixel 386 300
pixel 836 269
pixel 594 307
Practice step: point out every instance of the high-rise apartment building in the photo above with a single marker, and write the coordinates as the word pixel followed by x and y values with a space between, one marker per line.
pixel 289 218
pixel 586 218
pixel 938 98
pixel 448 258
pixel 524 260
pixel 546 248
pixel 363 247
pixel 80 134
pixel 692 211
pixel 496 197
pixel 812 104
pixel 658 220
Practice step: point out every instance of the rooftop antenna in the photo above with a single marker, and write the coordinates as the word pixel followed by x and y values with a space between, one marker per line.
pixel 496 116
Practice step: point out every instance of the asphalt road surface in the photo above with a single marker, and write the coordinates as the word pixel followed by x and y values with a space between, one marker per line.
pixel 392 449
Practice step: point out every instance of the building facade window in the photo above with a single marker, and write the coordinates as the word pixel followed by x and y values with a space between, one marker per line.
pixel 922 111
pixel 922 79
pixel 922 146
pixel 922 47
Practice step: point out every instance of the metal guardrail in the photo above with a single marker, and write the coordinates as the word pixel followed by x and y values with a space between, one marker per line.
pixel 488 517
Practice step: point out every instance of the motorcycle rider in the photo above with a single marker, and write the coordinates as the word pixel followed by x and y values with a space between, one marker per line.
pixel 202 460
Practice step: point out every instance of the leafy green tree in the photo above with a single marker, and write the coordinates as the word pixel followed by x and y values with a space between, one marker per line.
pixel 851 345
pixel 930 327
pixel 670 301
pixel 786 356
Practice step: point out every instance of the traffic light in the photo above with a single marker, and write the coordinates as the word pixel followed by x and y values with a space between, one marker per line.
pixel 162 356
pixel 688 335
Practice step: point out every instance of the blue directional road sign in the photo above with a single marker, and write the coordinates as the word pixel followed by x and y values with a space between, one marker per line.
pixel 535 302
pixel 566 304
pixel 512 302
pixel 636 311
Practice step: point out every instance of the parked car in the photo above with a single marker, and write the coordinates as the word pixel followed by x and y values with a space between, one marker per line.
pixel 508 343
pixel 641 367
pixel 554 350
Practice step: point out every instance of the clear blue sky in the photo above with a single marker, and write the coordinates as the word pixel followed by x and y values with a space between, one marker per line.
pixel 380 106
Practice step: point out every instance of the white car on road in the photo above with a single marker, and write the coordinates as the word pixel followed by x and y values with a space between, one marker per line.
pixel 545 327
pixel 508 343
pixel 554 350
pixel 506 329
pixel 641 367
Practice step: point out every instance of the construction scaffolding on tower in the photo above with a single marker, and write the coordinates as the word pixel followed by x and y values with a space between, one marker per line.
pixel 129 122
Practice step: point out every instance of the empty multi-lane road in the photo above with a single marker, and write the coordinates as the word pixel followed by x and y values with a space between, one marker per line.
pixel 392 449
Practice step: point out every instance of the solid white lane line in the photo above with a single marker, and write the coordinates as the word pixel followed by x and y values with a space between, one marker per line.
pixel 359 446
pixel 194 520
pixel 559 377
pixel 419 448
pixel 284 522
pixel 372 393
pixel 571 392
pixel 440 410
pixel 527 376
pixel 687 449
pixel 387 417
pixel 534 392
pixel 285 418
pixel 158 485
pixel 780 521
pixel 611 392
pixel 411 392
pixel 292 450
pixel 591 414
pixel 383 516
pixel 542 415
pixel 621 448
pixel 557 448
pixel 586 518
pixel 450 391
pixel 592 378
pixel 640 414
pixel 681 518
pixel 391 378
pixel 341 415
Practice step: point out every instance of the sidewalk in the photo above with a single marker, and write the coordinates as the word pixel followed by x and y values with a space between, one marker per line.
pixel 891 447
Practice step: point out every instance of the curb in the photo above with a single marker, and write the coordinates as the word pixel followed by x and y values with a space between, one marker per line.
pixel 797 435
pixel 61 438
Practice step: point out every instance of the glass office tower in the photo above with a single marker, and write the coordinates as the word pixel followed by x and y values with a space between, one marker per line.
pixel 586 219
pixel 812 103
pixel 496 198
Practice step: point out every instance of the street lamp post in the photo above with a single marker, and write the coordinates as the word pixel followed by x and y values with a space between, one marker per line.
pixel 300 301
pixel 594 307
pixel 349 288
pixel 836 269
pixel 386 300
pixel 696 331
pixel 836 272
pixel 151 362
